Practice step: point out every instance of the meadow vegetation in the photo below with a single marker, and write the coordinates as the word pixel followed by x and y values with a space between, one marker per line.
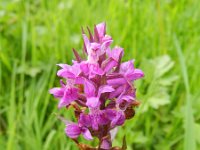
pixel 162 36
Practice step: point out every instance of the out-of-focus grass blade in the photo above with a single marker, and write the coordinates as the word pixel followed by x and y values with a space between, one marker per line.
pixel 49 139
pixel 12 113
pixel 0 78
pixel 189 139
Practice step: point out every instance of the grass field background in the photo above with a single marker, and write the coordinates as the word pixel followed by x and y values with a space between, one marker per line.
pixel 163 36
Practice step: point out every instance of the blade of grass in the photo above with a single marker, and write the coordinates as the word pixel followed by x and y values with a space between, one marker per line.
pixel 49 139
pixel 189 138
pixel 12 112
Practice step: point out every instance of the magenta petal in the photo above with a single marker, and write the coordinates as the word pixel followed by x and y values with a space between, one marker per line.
pixel 91 69
pixel 128 98
pixel 102 118
pixel 137 74
pixel 89 88
pixel 96 69
pixel 75 69
pixel 116 53
pixel 69 96
pixel 116 92
pixel 85 120
pixel 105 89
pixel 95 46
pixel 65 73
pixel 106 42
pixel 127 67
pixel 114 75
pixel 69 71
pixel 101 29
pixel 62 103
pixel 107 38
pixel 110 113
pixel 71 93
pixel 57 92
pixel 116 81
pixel 92 102
pixel 84 67
pixel 118 120
pixel 72 130
pixel 79 80
pixel 94 121
pixel 106 144
pixel 109 64
pixel 86 134
pixel 125 100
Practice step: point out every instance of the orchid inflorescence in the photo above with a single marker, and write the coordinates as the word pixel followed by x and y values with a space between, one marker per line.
pixel 99 88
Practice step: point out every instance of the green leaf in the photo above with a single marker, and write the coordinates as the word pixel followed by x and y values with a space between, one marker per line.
pixel 163 65
pixel 159 99
pixel 168 81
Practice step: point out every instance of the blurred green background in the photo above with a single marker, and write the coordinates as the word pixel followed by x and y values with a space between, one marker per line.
pixel 163 36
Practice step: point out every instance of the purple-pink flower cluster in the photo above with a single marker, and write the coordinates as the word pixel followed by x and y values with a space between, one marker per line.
pixel 100 88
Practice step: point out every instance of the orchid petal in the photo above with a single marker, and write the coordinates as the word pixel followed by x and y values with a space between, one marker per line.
pixel 137 74
pixel 69 96
pixel 89 88
pixel 92 102
pixel 85 120
pixel 106 144
pixel 101 29
pixel 116 53
pixel 105 89
pixel 127 66
pixel 109 64
pixel 57 92
pixel 118 119
pixel 117 81
pixel 73 130
pixel 116 92
pixel 86 134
